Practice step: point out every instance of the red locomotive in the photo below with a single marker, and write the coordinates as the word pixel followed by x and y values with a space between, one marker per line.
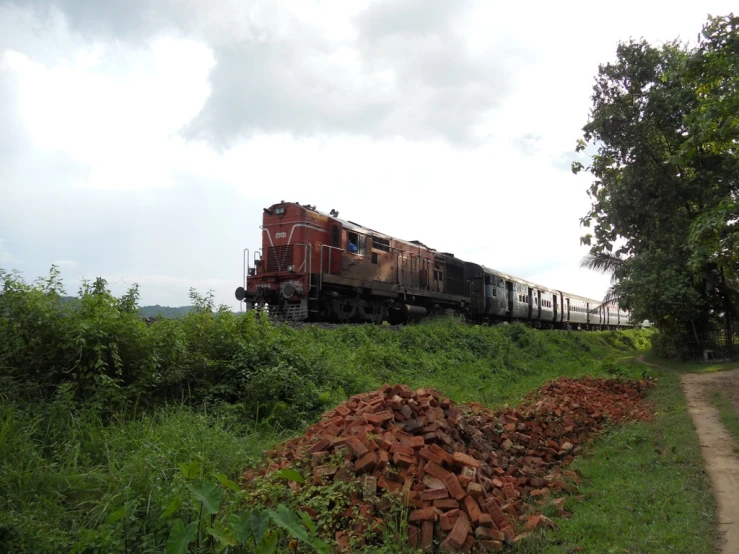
pixel 317 267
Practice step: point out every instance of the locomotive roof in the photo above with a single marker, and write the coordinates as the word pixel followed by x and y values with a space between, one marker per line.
pixel 353 226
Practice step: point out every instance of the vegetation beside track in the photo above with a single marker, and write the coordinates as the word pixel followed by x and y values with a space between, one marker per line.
pixel 644 485
pixel 109 426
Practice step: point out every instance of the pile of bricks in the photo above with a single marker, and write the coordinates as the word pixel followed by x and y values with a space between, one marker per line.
pixel 472 478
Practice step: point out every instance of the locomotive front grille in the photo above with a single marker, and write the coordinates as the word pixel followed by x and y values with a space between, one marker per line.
pixel 279 257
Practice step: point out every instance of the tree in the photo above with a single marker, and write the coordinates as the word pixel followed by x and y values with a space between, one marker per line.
pixel 663 132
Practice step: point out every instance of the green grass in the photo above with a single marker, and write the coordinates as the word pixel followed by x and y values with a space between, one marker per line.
pixel 690 366
pixel 728 414
pixel 644 485
pixel 64 472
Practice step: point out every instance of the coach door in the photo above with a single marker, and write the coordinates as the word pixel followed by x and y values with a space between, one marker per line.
pixel 555 306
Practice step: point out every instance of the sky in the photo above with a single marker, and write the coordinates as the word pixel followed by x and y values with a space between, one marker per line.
pixel 140 139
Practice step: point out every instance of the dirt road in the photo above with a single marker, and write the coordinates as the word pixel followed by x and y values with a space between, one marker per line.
pixel 722 464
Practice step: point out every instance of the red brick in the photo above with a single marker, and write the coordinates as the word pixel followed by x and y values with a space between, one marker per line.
pixel 374 419
pixel 320 446
pixel 443 454
pixel 468 544
pixel 415 442
pixel 435 470
pixel 533 522
pixel 424 514
pixel 342 540
pixel 434 494
pixel 491 546
pixel 459 532
pixel 342 410
pixel 402 449
pixel 447 520
pixel 509 491
pixel 403 460
pixel 431 482
pixel 488 533
pixel 474 490
pixel 446 504
pixel 455 489
pixel 413 535
pixel 462 459
pixel 486 520
pixel 389 485
pixel 472 508
pixel 366 463
pixel 427 535
pixel 385 415
pixel 499 517
pixel 508 533
pixel 428 455
pixel 357 447
pixel 388 439
pixel 382 459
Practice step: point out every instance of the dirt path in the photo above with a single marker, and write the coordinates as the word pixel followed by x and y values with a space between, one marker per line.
pixel 717 444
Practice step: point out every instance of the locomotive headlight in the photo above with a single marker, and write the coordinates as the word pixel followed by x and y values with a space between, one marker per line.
pixel 280 210
pixel 290 268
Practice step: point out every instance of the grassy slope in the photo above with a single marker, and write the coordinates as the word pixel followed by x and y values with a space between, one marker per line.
pixel 64 473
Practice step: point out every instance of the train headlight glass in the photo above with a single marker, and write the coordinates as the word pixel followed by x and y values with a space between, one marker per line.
pixel 280 210
pixel 290 268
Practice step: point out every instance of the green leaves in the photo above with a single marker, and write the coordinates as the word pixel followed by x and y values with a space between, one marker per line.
pixel 226 482
pixel 190 470
pixel 209 495
pixel 259 523
pixel 180 537
pixel 290 522
pixel 222 534
pixel 240 526
pixel 298 527
pixel 289 474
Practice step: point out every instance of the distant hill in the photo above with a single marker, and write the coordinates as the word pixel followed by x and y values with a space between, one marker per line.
pixel 164 311
pixel 167 312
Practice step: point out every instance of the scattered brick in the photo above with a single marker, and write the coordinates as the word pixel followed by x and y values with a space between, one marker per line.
pixel 427 535
pixel 483 475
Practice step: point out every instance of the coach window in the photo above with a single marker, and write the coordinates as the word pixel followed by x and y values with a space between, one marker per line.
pixel 358 241
pixel 352 240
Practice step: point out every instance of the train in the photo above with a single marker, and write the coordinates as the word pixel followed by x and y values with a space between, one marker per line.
pixel 313 266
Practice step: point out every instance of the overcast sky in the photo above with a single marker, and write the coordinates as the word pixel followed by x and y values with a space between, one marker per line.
pixel 140 139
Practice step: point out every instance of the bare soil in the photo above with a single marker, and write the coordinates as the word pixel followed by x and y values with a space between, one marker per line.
pixel 722 464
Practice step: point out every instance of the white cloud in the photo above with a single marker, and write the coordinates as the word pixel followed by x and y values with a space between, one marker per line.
pixel 452 127
pixel 7 259
pixel 65 264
